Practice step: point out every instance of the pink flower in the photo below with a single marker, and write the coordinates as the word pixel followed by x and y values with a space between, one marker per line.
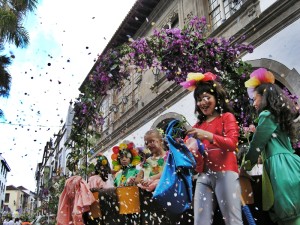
pixel 248 130
pixel 252 128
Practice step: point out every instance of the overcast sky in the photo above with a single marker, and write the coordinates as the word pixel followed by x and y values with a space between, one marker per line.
pixel 65 38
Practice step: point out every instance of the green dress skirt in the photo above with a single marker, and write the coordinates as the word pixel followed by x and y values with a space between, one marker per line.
pixel 281 174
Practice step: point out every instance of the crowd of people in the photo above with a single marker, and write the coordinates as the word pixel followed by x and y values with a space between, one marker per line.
pixel 217 193
pixel 10 221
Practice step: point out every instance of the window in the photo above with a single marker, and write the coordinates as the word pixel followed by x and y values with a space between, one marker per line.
pixel 7 197
pixel 105 109
pixel 120 101
pixel 128 95
pixel 172 23
pixel 221 10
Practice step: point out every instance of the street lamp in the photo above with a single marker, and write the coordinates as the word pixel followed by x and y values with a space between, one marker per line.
pixel 125 100
pixel 114 108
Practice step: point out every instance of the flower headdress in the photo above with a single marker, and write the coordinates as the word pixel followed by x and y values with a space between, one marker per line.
pixel 102 160
pixel 193 78
pixel 124 148
pixel 258 77
pixel 102 163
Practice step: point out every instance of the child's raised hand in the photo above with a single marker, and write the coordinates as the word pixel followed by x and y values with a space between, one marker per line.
pixel 146 182
pixel 130 181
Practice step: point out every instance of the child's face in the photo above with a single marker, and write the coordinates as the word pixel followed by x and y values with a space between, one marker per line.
pixel 153 143
pixel 125 159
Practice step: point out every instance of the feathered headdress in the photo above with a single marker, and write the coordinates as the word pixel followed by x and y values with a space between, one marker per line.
pixel 193 78
pixel 258 77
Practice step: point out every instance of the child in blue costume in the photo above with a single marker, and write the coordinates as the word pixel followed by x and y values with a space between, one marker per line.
pixel 272 139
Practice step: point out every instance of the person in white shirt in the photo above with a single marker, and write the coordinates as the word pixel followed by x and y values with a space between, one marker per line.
pixel 17 221
pixel 5 221
pixel 10 222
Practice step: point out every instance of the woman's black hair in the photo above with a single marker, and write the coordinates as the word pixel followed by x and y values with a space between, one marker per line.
pixel 215 89
pixel 283 109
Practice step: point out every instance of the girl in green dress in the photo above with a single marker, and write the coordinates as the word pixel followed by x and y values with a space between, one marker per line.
pixel 272 140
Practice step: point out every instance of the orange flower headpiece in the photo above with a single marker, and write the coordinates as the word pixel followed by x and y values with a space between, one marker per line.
pixel 124 148
pixel 193 78
pixel 258 77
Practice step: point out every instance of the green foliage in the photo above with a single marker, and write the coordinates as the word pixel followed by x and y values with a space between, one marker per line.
pixel 12 13
pixel 5 77
pixel 55 193
pixel 26 217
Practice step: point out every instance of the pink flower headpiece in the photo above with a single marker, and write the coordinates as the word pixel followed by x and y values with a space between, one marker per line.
pixel 193 78
pixel 258 77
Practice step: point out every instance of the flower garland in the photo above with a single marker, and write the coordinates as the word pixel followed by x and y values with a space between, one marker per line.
pixel 174 52
pixel 123 149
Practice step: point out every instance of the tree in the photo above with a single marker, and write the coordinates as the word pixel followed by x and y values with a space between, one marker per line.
pixel 5 77
pixel 12 13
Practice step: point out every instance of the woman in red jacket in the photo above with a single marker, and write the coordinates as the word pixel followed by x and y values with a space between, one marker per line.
pixel 217 128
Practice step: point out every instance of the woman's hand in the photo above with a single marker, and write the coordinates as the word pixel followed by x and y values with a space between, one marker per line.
pixel 200 134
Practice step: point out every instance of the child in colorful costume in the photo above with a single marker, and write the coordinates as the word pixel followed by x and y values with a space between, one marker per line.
pixel 272 139
pixel 218 130
pixel 124 159
pixel 149 176
pixel 150 173
pixel 102 178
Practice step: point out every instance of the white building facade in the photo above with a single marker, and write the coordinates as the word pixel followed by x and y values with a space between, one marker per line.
pixel 3 179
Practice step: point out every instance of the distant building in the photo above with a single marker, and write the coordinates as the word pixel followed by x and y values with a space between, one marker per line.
pixel 19 200
pixel 28 204
pixel 53 165
pixel 13 199
pixel 3 179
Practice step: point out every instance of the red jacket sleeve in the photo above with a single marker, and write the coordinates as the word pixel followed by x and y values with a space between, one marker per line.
pixel 229 140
